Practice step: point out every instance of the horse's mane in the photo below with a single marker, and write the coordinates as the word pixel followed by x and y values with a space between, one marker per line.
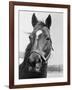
pixel 27 52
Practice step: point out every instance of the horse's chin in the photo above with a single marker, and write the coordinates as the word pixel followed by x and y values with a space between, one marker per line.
pixel 36 68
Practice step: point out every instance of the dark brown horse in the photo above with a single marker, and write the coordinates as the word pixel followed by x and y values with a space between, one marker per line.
pixel 38 51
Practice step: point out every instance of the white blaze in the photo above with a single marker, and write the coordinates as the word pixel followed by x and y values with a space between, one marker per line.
pixel 38 33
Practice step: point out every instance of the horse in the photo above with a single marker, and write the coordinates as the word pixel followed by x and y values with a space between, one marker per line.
pixel 38 51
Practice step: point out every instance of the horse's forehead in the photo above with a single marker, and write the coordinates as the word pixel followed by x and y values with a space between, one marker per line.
pixel 41 27
pixel 46 30
pixel 38 26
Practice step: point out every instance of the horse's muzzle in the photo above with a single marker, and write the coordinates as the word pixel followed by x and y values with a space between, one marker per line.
pixel 35 62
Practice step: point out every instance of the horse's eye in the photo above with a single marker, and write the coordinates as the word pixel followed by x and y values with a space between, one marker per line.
pixel 47 38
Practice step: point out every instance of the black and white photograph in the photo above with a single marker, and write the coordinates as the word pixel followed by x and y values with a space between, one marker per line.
pixel 40 44
pixel 41 49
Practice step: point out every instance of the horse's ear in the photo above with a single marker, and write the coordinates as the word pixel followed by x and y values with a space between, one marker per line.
pixel 34 20
pixel 48 21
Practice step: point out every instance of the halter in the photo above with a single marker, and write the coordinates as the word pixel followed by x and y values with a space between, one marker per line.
pixel 42 55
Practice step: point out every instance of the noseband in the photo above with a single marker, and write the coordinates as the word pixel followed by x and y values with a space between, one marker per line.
pixel 43 58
